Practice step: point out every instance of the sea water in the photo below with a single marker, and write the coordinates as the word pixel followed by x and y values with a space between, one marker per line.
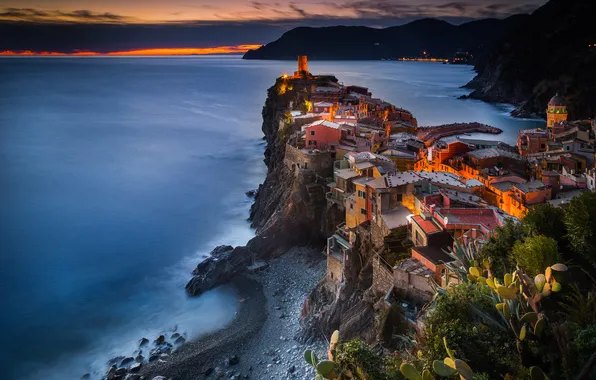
pixel 118 175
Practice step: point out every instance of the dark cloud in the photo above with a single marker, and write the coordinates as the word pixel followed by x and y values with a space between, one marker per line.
pixel 461 7
pixel 299 11
pixel 83 15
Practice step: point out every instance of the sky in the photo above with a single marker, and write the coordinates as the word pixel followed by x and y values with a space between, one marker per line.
pixel 66 26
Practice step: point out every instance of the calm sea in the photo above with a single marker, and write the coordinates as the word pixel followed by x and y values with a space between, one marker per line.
pixel 119 174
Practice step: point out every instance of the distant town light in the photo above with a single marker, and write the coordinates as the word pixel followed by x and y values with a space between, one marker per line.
pixel 285 76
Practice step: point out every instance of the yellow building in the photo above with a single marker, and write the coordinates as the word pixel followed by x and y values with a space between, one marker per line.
pixel 556 111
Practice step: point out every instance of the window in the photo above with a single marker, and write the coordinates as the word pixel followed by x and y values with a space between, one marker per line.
pixel 399 197
pixel 363 211
pixel 312 133
pixel 361 194
pixel 312 142
pixel 351 206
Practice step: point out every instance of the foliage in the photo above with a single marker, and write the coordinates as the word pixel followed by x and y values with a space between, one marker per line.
pixel 585 342
pixel 353 360
pixel 535 254
pixel 547 220
pixel 485 347
pixel 580 219
pixel 498 246
pixel 578 307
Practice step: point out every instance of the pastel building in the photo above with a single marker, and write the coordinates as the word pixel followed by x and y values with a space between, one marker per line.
pixel 325 135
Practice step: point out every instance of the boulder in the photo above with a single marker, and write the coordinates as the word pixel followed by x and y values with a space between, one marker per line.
pixel 86 376
pixel 160 340
pixel 115 360
pixel 233 360
pixel 135 367
pixel 180 340
pixel 251 193
pixel 127 361
pixel 175 336
pixel 143 342
pixel 224 263
pixel 139 358
pixel 208 371
pixel 160 378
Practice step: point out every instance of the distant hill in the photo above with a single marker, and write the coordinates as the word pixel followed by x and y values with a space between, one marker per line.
pixel 438 38
pixel 554 50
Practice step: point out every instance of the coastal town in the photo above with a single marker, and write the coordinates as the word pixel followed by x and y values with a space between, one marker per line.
pixel 356 227
pixel 413 191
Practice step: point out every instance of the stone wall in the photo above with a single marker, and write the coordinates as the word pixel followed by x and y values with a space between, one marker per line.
pixel 413 287
pixel 321 163
pixel 382 276
pixel 334 269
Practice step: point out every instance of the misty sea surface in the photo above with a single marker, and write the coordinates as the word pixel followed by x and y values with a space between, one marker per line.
pixel 118 175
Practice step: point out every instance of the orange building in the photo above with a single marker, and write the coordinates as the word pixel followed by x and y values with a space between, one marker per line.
pixel 556 111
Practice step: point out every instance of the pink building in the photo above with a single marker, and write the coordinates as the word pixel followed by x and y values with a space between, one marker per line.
pixel 325 135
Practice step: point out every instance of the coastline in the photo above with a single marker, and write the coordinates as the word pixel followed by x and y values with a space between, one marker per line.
pixel 264 335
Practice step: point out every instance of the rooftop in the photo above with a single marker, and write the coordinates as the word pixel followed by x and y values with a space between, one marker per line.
pixel 325 123
pixel 346 173
pixel 402 178
pixel 468 216
pixel 503 186
pixel 493 153
pixel 434 252
pixel 428 226
pixel 397 217
pixel 323 104
pixel 327 89
pixel 528 187
pixel 556 101
pixel 363 180
pixel 414 266
pixel 443 178
pixel 363 165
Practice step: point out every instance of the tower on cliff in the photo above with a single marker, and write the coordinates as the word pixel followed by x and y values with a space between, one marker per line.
pixel 556 111
pixel 302 66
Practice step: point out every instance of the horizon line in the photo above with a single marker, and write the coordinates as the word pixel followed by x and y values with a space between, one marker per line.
pixel 226 49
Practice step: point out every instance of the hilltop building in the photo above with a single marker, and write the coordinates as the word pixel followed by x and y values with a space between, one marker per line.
pixel 302 67
pixel 555 112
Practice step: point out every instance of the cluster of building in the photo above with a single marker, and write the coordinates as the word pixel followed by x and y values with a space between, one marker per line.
pixel 410 192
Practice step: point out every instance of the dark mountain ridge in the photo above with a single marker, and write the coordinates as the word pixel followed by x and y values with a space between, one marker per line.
pixel 438 38
pixel 553 50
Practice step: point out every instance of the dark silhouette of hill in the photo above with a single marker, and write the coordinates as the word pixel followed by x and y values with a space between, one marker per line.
pixel 438 38
pixel 553 50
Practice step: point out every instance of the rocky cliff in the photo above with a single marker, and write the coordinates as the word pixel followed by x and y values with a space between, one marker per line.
pixel 290 208
pixel 553 50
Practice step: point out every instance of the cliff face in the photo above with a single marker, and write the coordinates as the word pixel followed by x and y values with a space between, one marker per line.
pixel 287 212
pixel 551 51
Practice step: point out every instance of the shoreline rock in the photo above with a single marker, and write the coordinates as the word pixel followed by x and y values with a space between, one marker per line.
pixel 223 263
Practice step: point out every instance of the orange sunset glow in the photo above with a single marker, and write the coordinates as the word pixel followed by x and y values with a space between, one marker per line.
pixel 142 52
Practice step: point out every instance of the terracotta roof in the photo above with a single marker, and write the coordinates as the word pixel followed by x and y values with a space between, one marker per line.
pixel 427 225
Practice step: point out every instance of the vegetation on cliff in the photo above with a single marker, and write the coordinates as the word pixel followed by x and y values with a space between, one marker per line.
pixel 553 50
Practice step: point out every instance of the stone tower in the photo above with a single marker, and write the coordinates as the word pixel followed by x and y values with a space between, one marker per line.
pixel 556 111
pixel 302 64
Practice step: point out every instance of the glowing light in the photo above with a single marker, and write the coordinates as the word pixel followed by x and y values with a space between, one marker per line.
pixel 285 76
pixel 141 52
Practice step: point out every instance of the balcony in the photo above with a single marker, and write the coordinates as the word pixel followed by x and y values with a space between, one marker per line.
pixel 335 197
